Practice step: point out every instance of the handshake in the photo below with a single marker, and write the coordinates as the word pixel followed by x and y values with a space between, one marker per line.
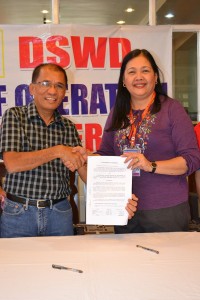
pixel 75 157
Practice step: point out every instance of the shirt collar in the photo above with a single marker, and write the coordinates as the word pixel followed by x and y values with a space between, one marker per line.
pixel 33 113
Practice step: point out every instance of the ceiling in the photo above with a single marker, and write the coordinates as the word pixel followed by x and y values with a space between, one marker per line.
pixel 99 12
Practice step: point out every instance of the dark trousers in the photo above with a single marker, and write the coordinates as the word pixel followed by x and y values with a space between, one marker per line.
pixel 169 219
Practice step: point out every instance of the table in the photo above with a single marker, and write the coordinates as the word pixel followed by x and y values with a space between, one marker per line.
pixel 113 267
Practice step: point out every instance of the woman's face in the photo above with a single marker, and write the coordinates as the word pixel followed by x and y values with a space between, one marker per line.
pixel 139 78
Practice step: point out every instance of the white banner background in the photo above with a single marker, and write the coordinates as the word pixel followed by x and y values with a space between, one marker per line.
pixel 91 56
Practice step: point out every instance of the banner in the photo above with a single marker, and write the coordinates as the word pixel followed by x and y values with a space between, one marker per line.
pixel 92 57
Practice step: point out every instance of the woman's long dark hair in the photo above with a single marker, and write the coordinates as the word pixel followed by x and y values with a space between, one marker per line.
pixel 122 104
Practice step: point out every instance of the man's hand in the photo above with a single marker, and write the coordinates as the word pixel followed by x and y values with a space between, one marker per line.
pixel 2 196
pixel 2 192
pixel 83 151
pixel 74 158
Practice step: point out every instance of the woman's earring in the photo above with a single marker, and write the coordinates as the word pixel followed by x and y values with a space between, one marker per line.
pixel 124 84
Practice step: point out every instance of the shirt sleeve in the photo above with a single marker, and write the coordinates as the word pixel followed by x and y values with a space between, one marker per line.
pixel 75 137
pixel 10 132
pixel 183 137
pixel 72 137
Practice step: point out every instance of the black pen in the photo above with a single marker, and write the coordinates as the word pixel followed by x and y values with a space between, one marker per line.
pixel 148 249
pixel 66 268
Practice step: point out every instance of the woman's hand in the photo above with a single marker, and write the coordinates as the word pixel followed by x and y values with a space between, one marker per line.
pixel 172 166
pixel 131 206
pixel 137 160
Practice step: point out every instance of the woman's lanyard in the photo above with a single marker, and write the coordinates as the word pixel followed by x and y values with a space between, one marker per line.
pixel 132 119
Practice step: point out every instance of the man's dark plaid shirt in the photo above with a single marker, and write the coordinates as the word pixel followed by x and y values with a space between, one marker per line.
pixel 23 130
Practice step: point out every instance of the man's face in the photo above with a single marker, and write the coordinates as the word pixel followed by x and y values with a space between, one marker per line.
pixel 48 90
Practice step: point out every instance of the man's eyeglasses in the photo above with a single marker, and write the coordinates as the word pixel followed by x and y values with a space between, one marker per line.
pixel 45 85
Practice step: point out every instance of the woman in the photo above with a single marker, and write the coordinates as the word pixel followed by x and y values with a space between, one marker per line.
pixel 197 173
pixel 156 136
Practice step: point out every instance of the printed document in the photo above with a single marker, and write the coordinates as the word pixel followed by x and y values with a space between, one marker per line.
pixel 109 186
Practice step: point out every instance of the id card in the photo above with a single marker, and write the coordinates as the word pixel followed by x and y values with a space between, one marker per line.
pixel 136 171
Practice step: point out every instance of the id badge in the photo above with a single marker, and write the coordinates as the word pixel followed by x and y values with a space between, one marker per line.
pixel 136 171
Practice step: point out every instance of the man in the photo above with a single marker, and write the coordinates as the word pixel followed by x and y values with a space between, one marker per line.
pixel 35 142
